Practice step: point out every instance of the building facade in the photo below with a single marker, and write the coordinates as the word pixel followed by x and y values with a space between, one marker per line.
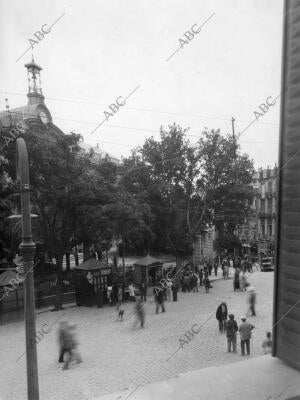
pixel 35 119
pixel 258 229
pixel 204 246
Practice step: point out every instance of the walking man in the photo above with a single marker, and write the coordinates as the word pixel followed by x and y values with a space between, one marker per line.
pixel 216 268
pixel 160 300
pixel 252 301
pixel 221 316
pixel 245 335
pixel 201 276
pixel 131 292
pixel 231 330
pixel 143 291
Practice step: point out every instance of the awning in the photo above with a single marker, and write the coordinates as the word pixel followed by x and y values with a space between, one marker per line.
pixel 6 278
pixel 91 265
pixel 148 261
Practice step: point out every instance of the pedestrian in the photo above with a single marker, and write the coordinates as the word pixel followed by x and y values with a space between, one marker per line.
pixel 63 325
pixel 221 315
pixel 169 289
pixel 70 347
pixel 267 344
pixel 114 294
pixel 174 291
pixel 226 271
pixel 207 284
pixel 236 281
pixel 231 330
pixel 159 300
pixel 242 280
pixel 120 311
pixel 216 268
pixel 140 313
pixel 210 267
pixel 245 330
pixel 120 295
pixel 143 290
pixel 201 276
pixel 75 352
pixel 131 292
pixel 252 301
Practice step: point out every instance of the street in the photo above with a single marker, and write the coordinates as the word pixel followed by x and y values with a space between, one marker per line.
pixel 117 357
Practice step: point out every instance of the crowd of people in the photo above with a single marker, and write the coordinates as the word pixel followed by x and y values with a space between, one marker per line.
pixel 227 324
pixel 166 289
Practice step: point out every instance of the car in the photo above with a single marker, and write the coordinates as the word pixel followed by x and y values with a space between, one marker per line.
pixel 267 264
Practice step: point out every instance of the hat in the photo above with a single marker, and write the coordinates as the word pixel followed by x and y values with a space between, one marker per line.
pixel 231 316
pixel 243 318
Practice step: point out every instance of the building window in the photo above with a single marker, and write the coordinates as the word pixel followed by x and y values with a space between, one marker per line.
pixel 269 230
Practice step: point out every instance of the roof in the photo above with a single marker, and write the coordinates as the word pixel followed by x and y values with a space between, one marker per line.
pixel 6 277
pixel 98 153
pixel 148 261
pixel 91 265
pixel 16 115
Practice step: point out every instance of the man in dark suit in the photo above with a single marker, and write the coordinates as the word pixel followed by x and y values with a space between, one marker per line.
pixel 221 316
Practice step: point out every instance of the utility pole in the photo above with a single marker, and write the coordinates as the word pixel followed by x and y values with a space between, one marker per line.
pixel 233 137
pixel 27 248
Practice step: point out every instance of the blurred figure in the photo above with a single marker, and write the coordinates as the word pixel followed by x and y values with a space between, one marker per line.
pixel 120 295
pixel 69 346
pixel 159 300
pixel 207 284
pixel 174 290
pixel 143 290
pixel 243 281
pixel 267 344
pixel 169 290
pixel 226 271
pixel 251 301
pixel 216 268
pixel 120 311
pixel 75 352
pixel 236 279
pixel 62 332
pixel 201 276
pixel 131 292
pixel 140 313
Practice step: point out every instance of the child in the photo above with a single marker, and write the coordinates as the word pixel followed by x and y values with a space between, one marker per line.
pixel 120 310
pixel 140 313
pixel 267 343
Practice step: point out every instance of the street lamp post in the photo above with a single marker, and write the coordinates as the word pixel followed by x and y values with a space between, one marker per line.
pixel 27 249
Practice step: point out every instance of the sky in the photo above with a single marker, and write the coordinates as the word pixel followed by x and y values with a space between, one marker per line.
pixel 101 51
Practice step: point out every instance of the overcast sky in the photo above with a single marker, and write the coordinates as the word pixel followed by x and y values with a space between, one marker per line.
pixel 100 50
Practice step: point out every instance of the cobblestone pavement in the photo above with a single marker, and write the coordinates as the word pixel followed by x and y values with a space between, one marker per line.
pixel 117 356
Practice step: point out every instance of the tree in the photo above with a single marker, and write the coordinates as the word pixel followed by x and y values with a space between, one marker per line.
pixel 189 186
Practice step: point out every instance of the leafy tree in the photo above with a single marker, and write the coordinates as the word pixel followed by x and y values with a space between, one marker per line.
pixel 189 186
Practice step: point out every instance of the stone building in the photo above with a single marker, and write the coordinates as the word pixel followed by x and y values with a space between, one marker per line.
pixel 35 119
pixel 204 245
pixel 258 229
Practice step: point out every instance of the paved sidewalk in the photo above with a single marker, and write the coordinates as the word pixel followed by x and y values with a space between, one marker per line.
pixel 117 356
pixel 263 378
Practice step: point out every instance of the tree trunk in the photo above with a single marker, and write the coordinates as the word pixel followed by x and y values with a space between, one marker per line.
pixel 123 262
pixel 59 284
pixel 86 252
pixel 68 262
pixel 178 263
pixel 76 256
